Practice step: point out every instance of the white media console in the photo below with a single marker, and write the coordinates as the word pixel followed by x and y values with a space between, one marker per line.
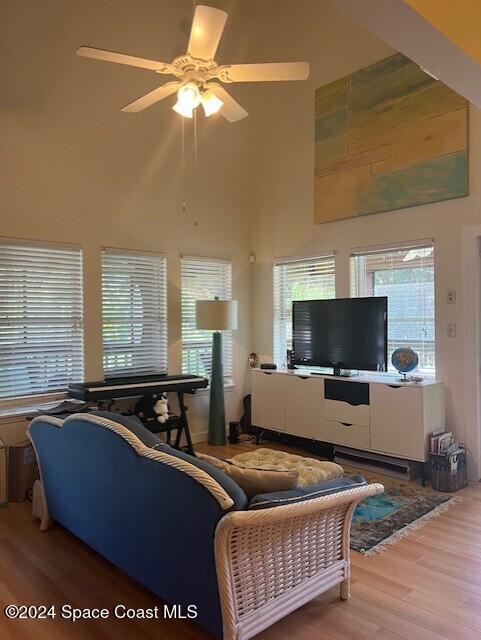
pixel 374 413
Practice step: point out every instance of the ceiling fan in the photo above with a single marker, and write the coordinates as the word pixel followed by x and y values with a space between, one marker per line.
pixel 196 71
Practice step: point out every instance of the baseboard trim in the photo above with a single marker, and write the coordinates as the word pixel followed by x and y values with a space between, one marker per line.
pixel 200 436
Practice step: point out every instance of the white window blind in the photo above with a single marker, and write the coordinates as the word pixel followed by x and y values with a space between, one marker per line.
pixel 134 295
pixel 41 316
pixel 405 274
pixel 306 279
pixel 203 279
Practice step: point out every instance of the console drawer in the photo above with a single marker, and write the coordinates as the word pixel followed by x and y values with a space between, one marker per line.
pixel 340 411
pixel 349 435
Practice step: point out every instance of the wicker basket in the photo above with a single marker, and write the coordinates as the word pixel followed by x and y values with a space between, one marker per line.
pixel 449 472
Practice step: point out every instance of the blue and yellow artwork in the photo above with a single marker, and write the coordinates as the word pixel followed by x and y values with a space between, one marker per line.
pixel 387 137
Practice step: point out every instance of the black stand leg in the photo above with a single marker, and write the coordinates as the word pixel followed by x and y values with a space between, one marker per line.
pixel 423 473
pixel 259 435
pixel 184 425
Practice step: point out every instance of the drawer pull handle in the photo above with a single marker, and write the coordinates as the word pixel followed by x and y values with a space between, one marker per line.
pixel 347 424
pixel 303 377
pixel 395 386
pixel 267 373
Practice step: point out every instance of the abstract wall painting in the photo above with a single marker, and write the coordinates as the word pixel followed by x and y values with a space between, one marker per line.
pixel 387 137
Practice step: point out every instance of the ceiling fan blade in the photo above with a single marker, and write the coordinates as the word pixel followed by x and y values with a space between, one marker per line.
pixel 231 109
pixel 264 72
pixel 154 96
pixel 206 32
pixel 122 58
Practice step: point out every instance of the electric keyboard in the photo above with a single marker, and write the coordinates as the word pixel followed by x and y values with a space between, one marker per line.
pixel 133 386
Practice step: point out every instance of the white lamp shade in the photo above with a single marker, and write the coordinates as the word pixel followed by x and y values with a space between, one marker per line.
pixel 216 315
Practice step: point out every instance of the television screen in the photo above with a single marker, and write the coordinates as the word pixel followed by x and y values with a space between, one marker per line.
pixel 347 333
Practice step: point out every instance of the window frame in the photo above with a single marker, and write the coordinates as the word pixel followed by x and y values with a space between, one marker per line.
pixel 153 277
pixel 188 315
pixel 281 325
pixel 76 318
pixel 358 288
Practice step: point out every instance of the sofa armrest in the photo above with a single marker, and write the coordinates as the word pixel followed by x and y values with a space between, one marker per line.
pixel 272 561
pixel 304 493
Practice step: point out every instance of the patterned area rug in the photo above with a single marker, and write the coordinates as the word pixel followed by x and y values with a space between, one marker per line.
pixel 380 521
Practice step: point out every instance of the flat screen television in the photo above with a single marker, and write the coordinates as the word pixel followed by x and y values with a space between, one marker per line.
pixel 345 333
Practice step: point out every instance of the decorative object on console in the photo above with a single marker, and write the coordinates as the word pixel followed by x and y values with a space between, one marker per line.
pixel 217 316
pixel 253 359
pixel 404 360
pixel 387 137
pixel 196 70
pixel 269 366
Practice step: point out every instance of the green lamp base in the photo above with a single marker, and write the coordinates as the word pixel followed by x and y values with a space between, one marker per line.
pixel 217 407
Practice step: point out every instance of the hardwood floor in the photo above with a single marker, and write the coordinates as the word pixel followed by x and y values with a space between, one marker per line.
pixel 426 587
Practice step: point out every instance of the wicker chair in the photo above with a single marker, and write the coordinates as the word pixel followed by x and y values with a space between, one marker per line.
pixel 272 561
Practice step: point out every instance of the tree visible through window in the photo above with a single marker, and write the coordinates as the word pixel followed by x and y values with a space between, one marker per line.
pixel 406 276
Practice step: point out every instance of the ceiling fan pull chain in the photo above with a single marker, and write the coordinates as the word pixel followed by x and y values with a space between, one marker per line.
pixel 195 145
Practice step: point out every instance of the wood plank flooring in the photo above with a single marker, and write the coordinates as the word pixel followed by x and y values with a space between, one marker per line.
pixel 426 587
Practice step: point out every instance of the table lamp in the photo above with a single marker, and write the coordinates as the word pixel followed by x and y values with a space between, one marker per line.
pixel 217 316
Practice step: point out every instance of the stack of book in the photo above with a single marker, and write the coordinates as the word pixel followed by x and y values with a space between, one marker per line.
pixel 448 460
pixel 441 441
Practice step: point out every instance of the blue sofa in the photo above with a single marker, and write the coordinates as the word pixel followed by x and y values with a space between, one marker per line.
pixel 176 524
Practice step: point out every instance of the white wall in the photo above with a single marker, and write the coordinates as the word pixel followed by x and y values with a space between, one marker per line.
pixel 283 211
pixel 73 168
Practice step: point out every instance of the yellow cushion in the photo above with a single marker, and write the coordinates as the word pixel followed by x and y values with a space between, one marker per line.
pixel 254 481
pixel 309 470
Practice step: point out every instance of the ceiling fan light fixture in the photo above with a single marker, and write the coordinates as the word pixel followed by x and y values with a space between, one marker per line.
pixel 182 110
pixel 210 103
pixel 188 98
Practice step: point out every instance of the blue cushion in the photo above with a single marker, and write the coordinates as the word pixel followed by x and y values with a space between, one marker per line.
pixel 132 423
pixel 300 494
pixel 231 487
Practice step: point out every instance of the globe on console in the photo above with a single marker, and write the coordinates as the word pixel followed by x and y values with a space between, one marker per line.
pixel 404 360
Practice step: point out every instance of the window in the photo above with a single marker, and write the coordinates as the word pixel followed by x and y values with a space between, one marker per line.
pixel 134 294
pixel 405 274
pixel 306 279
pixel 41 332
pixel 203 279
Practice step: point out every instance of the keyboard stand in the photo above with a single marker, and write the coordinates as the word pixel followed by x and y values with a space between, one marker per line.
pixel 178 423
